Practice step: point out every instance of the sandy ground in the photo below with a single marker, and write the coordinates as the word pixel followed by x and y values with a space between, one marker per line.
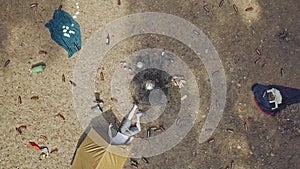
pixel 258 141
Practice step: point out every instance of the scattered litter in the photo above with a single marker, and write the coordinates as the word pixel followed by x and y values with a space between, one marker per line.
pixel 258 51
pixel 178 81
pixel 282 72
pixel 6 63
pixel 61 116
pixel 221 3
pixel 54 150
pixel 34 145
pixel 229 130
pixel 178 121
pixel 232 164
pixel 133 166
pixel 43 137
pixel 42 52
pixel 72 83
pixel 139 64
pixel 19 129
pixel 249 9
pixel 63 78
pixel 44 152
pixel 205 7
pixel 145 159
pixel 257 60
pixel 183 97
pixel 132 161
pixel 33 5
pixel 196 32
pixel 245 126
pixel 161 127
pixel 211 140
pixel 149 132
pixel 20 100
pixel 163 51
pixel 35 98
pixel 153 128
pixel 101 76
pixel 119 2
pixel 107 39
pixel 235 8
pixel 114 100
pixel 38 68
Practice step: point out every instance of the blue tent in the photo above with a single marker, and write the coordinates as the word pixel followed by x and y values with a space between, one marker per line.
pixel 272 99
pixel 65 31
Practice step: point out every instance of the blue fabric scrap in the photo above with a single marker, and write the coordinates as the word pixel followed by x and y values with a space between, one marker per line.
pixel 65 31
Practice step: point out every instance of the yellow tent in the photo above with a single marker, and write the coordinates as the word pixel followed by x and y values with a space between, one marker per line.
pixel 99 155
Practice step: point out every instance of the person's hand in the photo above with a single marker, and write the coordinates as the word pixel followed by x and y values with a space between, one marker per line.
pixel 110 125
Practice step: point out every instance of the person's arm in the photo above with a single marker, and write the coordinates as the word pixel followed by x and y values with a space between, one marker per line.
pixel 109 132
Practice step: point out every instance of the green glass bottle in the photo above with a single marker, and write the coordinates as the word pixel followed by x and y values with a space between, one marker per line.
pixel 36 69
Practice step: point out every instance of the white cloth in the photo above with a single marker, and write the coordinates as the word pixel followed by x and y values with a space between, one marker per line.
pixel 119 139
pixel 278 97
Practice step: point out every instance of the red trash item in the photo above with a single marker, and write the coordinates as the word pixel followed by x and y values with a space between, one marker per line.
pixel 34 145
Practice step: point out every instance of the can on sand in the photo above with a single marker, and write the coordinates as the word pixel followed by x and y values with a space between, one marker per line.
pixel 36 69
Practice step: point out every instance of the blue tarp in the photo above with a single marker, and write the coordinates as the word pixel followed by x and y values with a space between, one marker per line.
pixel 65 31
pixel 289 96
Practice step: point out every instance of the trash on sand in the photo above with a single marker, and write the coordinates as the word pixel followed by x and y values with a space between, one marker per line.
pixel 101 76
pixel 43 52
pixel 211 140
pixel 258 51
pixel 61 116
pixel 35 98
pixel 43 137
pixel 178 81
pixel 37 69
pixel 6 63
pixel 19 129
pixel 281 71
pixel 149 132
pixel 183 97
pixel 20 100
pixel 33 5
pixel 72 83
pixel 63 78
pixel 34 145
pixel 235 8
pixel 44 152
pixel 54 150
pixel 145 159
pixel 249 9
pixel 114 100
pixel 107 39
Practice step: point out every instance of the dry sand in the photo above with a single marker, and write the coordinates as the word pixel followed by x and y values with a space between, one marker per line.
pixel 235 37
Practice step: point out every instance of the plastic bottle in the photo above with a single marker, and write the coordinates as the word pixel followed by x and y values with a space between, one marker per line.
pixel 36 69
